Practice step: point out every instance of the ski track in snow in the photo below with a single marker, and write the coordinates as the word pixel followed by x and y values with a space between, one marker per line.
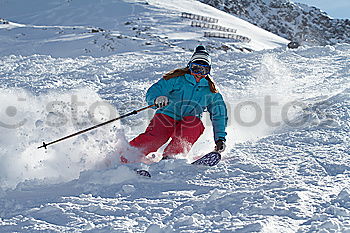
pixel 282 179
pixel 271 179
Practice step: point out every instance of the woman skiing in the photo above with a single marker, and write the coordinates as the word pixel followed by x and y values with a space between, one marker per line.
pixel 180 97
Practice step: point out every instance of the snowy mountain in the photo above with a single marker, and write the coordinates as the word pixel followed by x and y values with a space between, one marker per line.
pixel 74 28
pixel 293 21
pixel 68 65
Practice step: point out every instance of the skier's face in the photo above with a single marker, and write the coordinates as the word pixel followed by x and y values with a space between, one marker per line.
pixel 199 70
pixel 200 67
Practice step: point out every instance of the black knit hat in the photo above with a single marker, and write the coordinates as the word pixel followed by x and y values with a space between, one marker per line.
pixel 201 54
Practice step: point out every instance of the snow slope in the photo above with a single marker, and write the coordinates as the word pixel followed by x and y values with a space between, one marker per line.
pixel 286 172
pixel 273 179
pixel 80 27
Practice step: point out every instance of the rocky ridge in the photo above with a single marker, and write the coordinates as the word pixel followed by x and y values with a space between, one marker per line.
pixel 293 21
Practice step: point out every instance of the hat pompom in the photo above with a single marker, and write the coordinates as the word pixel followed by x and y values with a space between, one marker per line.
pixel 201 48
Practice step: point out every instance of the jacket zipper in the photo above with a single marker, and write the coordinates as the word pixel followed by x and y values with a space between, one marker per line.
pixel 194 89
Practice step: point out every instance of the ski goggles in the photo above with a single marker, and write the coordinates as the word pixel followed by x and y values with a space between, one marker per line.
pixel 199 69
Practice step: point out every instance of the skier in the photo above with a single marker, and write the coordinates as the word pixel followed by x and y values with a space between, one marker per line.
pixel 180 97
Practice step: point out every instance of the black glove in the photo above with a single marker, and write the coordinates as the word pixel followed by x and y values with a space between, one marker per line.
pixel 220 145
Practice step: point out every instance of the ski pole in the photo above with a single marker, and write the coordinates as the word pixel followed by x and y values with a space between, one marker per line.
pixel 94 127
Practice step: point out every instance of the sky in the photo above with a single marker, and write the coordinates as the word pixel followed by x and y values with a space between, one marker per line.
pixel 334 8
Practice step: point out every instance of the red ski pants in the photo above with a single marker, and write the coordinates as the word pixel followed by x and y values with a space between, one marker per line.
pixel 184 134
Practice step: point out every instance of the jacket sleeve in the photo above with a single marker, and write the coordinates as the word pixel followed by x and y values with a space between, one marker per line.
pixel 218 115
pixel 160 88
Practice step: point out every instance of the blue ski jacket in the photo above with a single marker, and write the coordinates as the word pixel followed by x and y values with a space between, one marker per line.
pixel 189 98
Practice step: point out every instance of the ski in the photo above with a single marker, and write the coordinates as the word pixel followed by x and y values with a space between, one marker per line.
pixel 210 159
